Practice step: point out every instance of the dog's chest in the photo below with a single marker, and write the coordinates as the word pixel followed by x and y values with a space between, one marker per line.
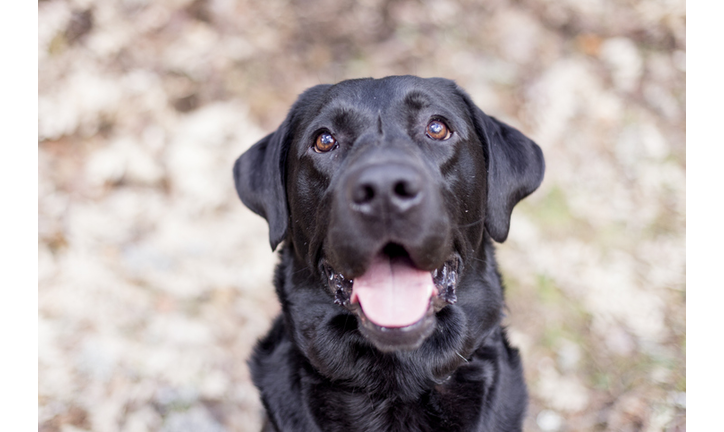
pixel 451 406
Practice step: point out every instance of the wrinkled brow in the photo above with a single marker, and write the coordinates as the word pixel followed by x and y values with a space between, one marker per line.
pixel 417 100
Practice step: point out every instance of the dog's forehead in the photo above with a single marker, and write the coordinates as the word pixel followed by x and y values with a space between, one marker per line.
pixel 383 95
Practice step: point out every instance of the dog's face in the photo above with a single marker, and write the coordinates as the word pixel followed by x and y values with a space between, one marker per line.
pixel 384 190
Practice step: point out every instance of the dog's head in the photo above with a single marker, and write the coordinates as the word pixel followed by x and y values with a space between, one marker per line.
pixel 384 190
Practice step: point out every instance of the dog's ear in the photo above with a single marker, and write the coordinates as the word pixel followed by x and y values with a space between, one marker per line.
pixel 515 169
pixel 259 173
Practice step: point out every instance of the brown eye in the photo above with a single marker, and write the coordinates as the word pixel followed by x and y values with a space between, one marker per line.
pixel 324 143
pixel 438 130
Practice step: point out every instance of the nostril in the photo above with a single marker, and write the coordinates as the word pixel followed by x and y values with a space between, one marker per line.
pixel 406 189
pixel 363 194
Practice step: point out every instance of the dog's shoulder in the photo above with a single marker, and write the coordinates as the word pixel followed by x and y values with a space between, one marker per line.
pixel 275 366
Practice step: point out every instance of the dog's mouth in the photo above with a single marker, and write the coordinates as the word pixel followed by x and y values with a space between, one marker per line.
pixel 394 297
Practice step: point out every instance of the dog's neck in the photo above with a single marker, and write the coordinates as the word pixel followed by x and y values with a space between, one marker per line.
pixel 388 401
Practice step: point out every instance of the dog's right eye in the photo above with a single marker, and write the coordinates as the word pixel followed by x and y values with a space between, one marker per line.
pixel 324 142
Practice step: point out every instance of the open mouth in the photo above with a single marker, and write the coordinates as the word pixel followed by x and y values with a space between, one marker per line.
pixel 393 296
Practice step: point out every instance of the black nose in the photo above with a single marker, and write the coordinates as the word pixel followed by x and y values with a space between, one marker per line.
pixel 383 187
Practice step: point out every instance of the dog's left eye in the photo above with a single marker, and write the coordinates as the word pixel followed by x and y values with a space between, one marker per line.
pixel 325 142
pixel 438 130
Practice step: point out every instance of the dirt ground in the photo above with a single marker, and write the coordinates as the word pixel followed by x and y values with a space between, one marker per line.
pixel 155 281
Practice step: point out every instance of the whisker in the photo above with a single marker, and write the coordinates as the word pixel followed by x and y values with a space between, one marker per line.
pixel 461 356
pixel 477 222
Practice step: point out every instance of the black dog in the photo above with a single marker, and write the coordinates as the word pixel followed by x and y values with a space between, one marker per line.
pixel 386 194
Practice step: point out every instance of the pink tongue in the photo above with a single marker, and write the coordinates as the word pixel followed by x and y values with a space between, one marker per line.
pixel 392 292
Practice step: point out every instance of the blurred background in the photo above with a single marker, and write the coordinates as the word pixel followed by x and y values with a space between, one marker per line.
pixel 155 281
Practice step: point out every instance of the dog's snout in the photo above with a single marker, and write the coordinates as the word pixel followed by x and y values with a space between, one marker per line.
pixel 378 187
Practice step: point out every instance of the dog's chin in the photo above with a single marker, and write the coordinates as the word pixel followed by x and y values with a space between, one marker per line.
pixel 395 302
pixel 390 339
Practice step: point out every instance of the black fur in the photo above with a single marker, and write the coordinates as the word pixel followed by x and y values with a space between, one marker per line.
pixel 321 368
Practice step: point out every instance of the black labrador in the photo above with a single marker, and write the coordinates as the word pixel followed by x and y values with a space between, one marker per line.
pixel 386 194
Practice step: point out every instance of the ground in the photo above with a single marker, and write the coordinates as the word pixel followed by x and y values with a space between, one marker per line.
pixel 155 281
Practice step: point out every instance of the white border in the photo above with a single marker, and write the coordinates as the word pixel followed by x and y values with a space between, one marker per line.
pixel 19 216
pixel 705 215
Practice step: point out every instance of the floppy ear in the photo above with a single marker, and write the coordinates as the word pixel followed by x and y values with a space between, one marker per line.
pixel 259 173
pixel 515 168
